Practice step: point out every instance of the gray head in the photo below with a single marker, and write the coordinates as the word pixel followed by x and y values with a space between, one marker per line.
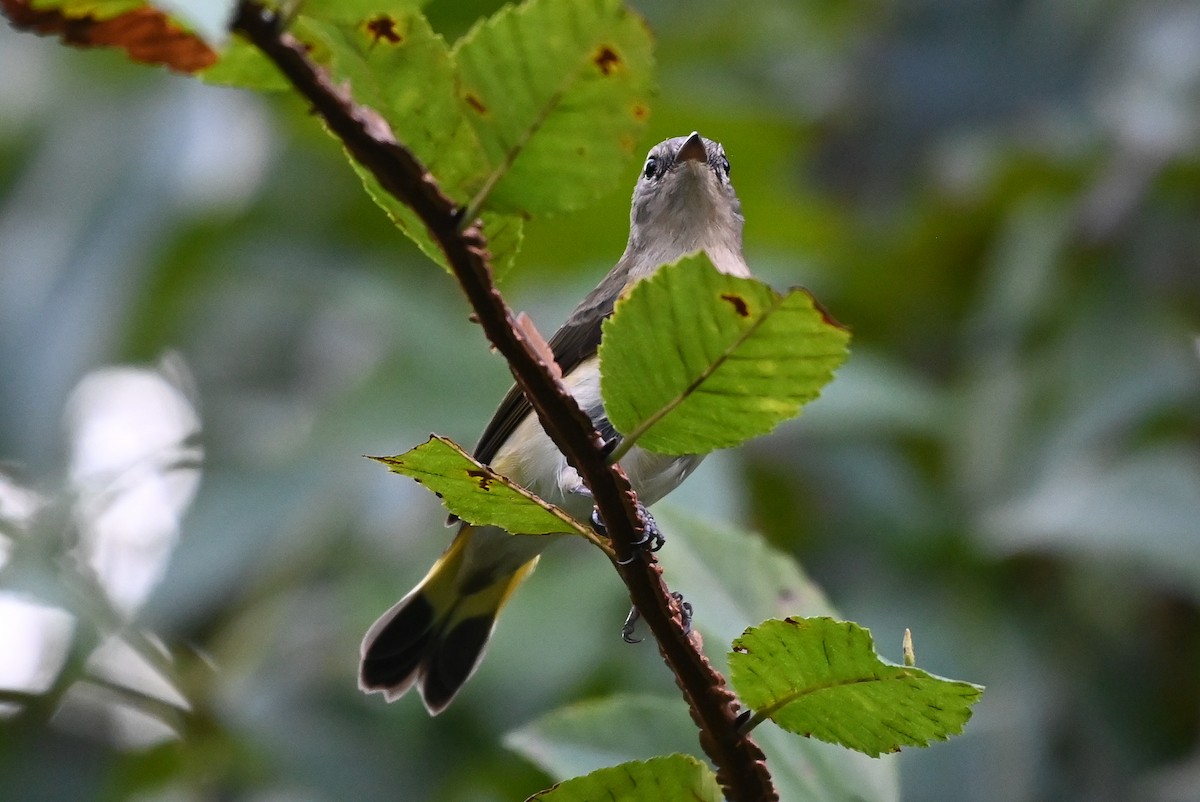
pixel 683 203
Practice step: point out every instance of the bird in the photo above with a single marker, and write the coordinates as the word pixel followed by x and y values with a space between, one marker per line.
pixel 435 637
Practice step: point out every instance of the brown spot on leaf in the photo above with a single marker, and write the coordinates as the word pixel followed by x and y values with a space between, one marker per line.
pixel 737 302
pixel 485 478
pixel 145 34
pixel 475 103
pixel 384 27
pixel 607 60
pixel 640 112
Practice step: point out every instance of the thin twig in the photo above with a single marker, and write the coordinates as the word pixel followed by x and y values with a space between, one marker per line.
pixel 741 765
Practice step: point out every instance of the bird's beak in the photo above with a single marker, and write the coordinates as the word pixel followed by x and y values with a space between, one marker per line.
pixel 692 149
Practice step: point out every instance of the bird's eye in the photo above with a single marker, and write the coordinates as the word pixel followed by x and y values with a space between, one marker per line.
pixel 651 167
pixel 725 165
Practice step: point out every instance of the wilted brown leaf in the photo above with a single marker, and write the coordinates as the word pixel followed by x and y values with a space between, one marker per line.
pixel 145 34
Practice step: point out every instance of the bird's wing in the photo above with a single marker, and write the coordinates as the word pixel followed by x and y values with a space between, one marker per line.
pixel 575 341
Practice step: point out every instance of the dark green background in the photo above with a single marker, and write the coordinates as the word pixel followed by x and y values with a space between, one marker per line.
pixel 1001 199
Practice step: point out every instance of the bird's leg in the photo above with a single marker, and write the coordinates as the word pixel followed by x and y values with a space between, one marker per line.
pixel 652 537
pixel 606 448
pixel 630 625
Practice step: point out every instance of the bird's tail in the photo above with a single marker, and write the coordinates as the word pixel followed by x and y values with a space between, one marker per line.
pixel 436 635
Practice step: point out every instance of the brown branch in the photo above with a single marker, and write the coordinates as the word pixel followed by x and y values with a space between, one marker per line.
pixel 741 765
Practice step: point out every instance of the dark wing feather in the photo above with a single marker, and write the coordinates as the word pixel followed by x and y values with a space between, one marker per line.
pixel 575 341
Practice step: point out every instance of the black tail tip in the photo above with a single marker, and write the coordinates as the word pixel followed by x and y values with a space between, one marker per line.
pixel 410 649
pixel 395 646
pixel 453 660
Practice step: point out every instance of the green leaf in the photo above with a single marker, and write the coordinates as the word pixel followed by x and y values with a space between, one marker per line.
pixel 672 778
pixel 504 232
pixel 558 93
pixel 477 494
pixel 398 66
pixel 535 110
pixel 354 10
pixel 822 679
pixel 694 360
pixel 587 736
pixel 243 65
pixel 734 578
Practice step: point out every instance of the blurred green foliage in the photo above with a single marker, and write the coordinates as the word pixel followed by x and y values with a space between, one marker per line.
pixel 1002 200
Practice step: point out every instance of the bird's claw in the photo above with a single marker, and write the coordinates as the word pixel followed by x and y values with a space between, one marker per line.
pixel 685 612
pixel 630 625
pixel 652 537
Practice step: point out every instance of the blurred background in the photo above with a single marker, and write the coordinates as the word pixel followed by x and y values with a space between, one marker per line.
pixel 204 323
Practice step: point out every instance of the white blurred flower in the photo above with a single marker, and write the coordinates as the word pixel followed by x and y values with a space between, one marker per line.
pixel 134 472
pixel 34 641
